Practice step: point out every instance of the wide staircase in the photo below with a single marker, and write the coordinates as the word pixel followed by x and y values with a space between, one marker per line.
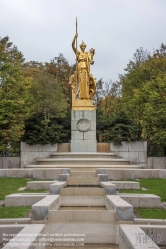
pixel 83 161
pixel 82 214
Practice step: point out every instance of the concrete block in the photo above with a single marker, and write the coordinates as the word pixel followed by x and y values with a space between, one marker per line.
pixel 9 221
pixel 40 209
pixel 154 173
pixel 132 185
pixel 93 125
pixel 28 173
pixel 141 173
pixel 114 174
pixel 81 191
pixel 82 201
pixel 8 231
pixel 119 184
pixel 8 162
pixel 92 233
pixel 128 174
pixel 126 185
pixel 103 177
pixel 34 185
pixel 28 236
pixel 77 135
pixel 106 216
pixel 133 199
pixel 1 162
pixel 25 199
pixel 150 201
pixel 90 135
pixel 55 188
pixel 124 211
pixel 140 146
pixel 63 177
pixel 49 173
pixel 110 188
pixel 142 200
pixel 74 125
pixel 132 237
pixel 142 157
pixel 162 173
pixel 123 147
pixel 83 145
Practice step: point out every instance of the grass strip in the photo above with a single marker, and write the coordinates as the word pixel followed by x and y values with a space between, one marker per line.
pixel 156 186
pixel 13 212
pixel 151 213
pixel 11 185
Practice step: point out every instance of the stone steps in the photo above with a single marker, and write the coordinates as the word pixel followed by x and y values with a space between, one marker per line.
pixel 82 201
pixel 83 155
pixel 90 232
pixel 83 173
pixel 83 180
pixel 83 161
pixel 82 191
pixel 81 216
pixel 83 167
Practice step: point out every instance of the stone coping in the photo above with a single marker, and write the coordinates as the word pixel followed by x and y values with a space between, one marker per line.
pixel 124 211
pixel 41 208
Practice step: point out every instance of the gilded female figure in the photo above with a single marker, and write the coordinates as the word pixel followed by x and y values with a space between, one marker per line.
pixel 84 59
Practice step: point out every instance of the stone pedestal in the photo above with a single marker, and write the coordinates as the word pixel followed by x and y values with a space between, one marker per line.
pixel 83 131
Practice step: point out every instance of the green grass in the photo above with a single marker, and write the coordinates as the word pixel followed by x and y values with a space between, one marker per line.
pixel 11 185
pixel 151 213
pixel 155 186
pixel 13 212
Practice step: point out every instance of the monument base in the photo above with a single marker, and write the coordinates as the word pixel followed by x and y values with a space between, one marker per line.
pixel 83 131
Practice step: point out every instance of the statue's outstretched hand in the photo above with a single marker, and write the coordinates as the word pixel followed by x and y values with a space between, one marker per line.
pixel 76 35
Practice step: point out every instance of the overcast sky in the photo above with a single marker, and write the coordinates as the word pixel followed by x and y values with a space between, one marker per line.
pixel 41 29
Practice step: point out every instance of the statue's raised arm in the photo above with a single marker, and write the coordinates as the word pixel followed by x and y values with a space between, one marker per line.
pixel 73 43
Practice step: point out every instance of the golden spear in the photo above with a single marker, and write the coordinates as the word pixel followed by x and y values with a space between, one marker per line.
pixel 76 65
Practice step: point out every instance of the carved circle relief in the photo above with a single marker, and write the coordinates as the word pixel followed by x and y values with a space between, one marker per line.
pixel 83 124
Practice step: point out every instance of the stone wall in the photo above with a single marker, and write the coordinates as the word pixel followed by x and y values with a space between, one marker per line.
pixel 156 162
pixel 136 152
pixel 30 153
pixel 9 162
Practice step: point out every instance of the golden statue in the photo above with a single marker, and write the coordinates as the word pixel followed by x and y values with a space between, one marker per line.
pixel 82 82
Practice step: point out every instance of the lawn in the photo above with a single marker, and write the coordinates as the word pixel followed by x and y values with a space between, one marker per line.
pixel 151 213
pixel 11 185
pixel 13 212
pixel 153 186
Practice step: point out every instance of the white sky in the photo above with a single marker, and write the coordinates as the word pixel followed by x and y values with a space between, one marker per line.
pixel 41 29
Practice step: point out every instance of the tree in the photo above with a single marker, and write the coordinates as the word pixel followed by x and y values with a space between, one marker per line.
pixel 14 94
pixel 144 95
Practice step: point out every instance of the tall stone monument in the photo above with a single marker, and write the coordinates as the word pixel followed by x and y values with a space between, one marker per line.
pixel 83 114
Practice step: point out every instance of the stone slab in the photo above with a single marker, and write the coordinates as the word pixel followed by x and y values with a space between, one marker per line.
pixel 126 185
pixel 40 209
pixel 83 145
pixel 55 188
pixel 30 234
pixel 124 211
pixel 110 188
pixel 103 177
pixel 35 185
pixel 82 201
pixel 25 199
pixel 6 229
pixel 132 237
pixel 83 180
pixel 91 232
pixel 81 216
pixel 82 191
pixel 142 200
